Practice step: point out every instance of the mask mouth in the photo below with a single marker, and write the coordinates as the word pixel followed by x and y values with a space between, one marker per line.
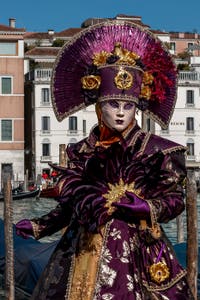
pixel 119 122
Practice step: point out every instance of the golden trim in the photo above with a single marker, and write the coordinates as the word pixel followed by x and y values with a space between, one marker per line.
pixel 144 143
pixel 36 230
pixel 84 271
pixel 120 97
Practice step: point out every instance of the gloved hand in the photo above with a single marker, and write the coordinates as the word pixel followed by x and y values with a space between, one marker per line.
pixel 133 205
pixel 24 228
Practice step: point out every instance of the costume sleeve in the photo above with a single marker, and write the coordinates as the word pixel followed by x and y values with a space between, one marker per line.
pixel 168 198
pixel 52 222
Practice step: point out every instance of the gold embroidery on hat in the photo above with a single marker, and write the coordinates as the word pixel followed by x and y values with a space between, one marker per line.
pixel 123 80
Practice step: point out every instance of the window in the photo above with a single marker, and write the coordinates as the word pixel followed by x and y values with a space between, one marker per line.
pixel 45 95
pixel 190 98
pixel 73 123
pixel 190 47
pixel 6 130
pixel 6 85
pixel 45 149
pixel 8 48
pixel 148 124
pixel 46 124
pixel 84 127
pixel 190 124
pixel 165 130
pixel 173 46
pixel 190 147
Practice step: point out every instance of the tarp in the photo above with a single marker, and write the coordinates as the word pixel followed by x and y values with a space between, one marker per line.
pixel 30 258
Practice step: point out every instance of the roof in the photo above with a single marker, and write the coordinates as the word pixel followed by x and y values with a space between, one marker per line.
pixel 68 32
pixel 43 51
pixel 9 29
pixel 37 35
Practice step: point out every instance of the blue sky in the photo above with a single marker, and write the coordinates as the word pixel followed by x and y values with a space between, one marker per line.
pixel 41 15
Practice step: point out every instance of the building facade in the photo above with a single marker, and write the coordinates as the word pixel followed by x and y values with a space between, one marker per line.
pixel 43 133
pixel 12 101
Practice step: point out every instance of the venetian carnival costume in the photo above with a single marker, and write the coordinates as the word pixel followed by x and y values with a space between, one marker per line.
pixel 117 188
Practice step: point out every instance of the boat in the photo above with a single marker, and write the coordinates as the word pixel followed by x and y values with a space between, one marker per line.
pixel 18 194
pixel 49 192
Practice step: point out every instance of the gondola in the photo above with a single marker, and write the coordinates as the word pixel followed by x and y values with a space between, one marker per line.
pixel 49 192
pixel 18 194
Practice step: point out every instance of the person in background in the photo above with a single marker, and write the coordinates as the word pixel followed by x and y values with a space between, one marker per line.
pixel 45 175
pixel 121 183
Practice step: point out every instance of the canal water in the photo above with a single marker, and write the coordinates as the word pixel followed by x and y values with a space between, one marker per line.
pixel 30 208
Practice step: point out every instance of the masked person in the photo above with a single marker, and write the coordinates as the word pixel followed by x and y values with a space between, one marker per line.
pixel 120 183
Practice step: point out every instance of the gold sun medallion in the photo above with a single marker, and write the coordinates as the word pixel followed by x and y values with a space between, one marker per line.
pixel 123 79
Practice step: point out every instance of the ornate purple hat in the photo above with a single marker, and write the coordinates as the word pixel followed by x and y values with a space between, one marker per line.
pixel 115 60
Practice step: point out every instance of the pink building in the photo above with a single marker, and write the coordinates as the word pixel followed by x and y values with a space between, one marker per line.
pixel 12 100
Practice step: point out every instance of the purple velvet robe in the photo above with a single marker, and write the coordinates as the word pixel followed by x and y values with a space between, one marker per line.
pixel 105 253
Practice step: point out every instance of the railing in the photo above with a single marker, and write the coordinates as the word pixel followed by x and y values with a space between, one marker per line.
pixel 189 76
pixel 39 75
pixel 45 158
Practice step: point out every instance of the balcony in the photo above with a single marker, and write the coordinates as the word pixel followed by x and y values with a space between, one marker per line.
pixel 40 75
pixel 188 76
pixel 45 132
pixel 45 159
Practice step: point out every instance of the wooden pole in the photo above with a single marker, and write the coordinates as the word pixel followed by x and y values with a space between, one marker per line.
pixel 180 229
pixel 8 231
pixel 62 155
pixel 192 233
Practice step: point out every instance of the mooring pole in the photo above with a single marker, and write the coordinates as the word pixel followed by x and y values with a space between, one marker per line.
pixel 192 233
pixel 8 232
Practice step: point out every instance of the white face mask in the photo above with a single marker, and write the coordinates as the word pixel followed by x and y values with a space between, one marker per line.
pixel 117 115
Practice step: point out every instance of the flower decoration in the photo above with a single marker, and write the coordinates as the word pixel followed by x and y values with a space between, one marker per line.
pixel 91 82
pixel 100 58
pixel 159 272
pixel 147 78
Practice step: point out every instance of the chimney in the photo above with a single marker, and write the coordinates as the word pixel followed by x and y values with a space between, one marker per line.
pixel 51 32
pixel 12 22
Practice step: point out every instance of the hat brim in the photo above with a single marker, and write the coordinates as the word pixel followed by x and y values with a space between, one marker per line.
pixel 77 54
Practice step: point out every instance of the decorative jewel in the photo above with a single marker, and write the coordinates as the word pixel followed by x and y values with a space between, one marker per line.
pixel 123 79
pixel 159 272
pixel 91 82
pixel 116 191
